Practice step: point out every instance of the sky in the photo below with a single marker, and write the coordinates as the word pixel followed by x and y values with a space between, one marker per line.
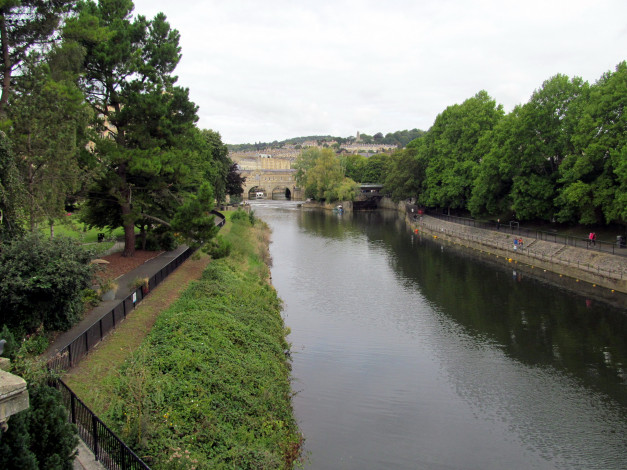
pixel 269 70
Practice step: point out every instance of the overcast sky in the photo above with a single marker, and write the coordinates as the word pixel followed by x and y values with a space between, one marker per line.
pixel 275 69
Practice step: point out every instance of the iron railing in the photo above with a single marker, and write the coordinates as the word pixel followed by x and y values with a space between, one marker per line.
pixel 108 448
pixel 536 254
pixel 514 228
pixel 71 354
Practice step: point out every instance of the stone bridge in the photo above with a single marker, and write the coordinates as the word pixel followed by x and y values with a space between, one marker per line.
pixel 274 177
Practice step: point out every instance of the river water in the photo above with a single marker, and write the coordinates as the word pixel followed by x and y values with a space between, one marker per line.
pixel 411 354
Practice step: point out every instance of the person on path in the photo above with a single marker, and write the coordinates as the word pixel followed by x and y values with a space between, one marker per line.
pixel 515 243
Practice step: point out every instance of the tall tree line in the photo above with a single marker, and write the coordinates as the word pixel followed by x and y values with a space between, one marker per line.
pixel 562 156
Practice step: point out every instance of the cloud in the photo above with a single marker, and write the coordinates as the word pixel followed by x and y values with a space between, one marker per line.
pixel 279 69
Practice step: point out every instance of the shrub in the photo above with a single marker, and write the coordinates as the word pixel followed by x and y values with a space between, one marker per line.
pixel 218 248
pixel 11 346
pixel 42 283
pixel 239 214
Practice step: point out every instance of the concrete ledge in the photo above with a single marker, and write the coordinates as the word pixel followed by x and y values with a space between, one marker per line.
pixel 13 395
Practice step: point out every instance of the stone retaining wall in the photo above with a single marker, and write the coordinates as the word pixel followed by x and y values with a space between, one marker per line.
pixel 599 269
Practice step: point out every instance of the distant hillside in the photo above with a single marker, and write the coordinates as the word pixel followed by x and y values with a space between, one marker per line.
pixel 400 138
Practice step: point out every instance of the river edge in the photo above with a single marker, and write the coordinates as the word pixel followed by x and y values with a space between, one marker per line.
pixel 194 368
pixel 601 275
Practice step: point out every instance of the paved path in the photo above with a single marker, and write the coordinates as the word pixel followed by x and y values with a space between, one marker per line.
pixel 606 265
pixel 148 269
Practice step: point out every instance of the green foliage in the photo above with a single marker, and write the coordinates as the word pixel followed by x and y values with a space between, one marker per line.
pixel 11 346
pixel 561 156
pixel 218 248
pixel 239 214
pixel 321 174
pixel 26 25
pixel 153 158
pixel 12 198
pixel 42 281
pixel 210 385
pixel 451 147
pixel 48 132
pixel 39 437
pixel 193 221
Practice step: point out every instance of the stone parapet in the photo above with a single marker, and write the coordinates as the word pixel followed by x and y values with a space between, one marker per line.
pixel 13 396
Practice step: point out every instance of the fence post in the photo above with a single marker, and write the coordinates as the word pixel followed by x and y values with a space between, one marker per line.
pixel 94 424
pixel 86 341
pixel 73 407
pixel 100 324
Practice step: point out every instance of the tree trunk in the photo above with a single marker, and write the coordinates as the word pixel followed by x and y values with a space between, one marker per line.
pixel 129 231
pixel 142 234
pixel 6 61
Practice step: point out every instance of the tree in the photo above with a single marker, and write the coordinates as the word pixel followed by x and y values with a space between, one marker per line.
pixel 234 181
pixel 594 174
pixel 25 25
pixel 353 165
pixel 48 132
pixel 321 174
pixel 375 169
pixel 406 172
pixel 451 147
pixel 41 436
pixel 128 81
pixel 11 193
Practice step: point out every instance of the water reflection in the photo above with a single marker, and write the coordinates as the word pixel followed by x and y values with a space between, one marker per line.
pixel 412 354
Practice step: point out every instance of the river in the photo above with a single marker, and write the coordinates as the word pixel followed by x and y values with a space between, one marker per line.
pixel 411 354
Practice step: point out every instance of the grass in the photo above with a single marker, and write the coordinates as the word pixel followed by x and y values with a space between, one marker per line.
pixel 209 386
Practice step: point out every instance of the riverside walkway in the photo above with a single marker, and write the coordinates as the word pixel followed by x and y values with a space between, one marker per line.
pixel 599 268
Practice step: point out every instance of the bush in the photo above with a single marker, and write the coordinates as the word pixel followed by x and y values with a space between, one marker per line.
pixel 218 248
pixel 42 283
pixel 239 214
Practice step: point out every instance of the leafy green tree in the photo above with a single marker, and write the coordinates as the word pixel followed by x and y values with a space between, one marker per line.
pixel 42 281
pixel 193 218
pixel 541 140
pixel 321 174
pixel 353 165
pixel 128 81
pixel 375 169
pixel 452 148
pixel 406 172
pixel 305 161
pixel 594 175
pixel 26 25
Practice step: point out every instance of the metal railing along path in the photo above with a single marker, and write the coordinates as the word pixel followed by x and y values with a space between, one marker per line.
pixel 535 254
pixel 71 354
pixel 506 227
pixel 108 448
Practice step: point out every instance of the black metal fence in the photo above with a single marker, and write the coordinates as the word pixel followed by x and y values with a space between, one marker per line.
pixel 616 248
pixel 108 448
pixel 80 346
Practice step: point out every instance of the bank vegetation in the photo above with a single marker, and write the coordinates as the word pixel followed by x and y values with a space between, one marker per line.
pixel 209 387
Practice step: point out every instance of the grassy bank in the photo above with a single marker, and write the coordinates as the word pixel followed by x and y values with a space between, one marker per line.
pixel 209 387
